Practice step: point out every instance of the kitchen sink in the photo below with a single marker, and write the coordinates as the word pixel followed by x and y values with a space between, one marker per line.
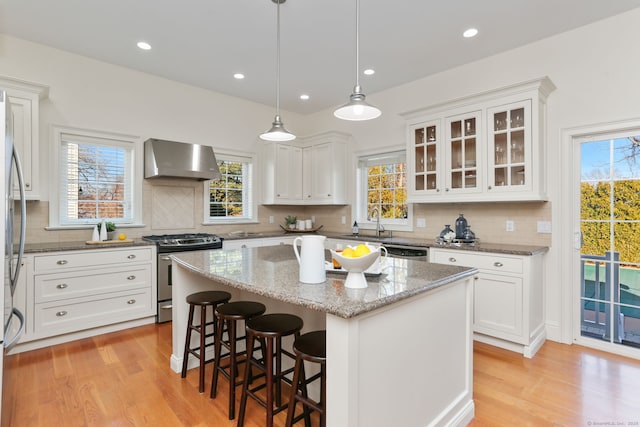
pixel 364 237
pixel 245 234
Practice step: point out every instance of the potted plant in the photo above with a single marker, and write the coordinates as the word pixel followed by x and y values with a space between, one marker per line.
pixel 111 227
pixel 291 221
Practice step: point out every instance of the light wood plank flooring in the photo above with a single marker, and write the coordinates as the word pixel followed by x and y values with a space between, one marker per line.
pixel 123 379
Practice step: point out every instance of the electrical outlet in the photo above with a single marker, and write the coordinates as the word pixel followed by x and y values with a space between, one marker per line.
pixel 510 225
pixel 421 223
pixel 544 227
pixel 271 220
pixel 344 219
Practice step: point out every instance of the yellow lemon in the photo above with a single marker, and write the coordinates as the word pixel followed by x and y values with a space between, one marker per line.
pixel 348 252
pixel 362 250
pixel 122 236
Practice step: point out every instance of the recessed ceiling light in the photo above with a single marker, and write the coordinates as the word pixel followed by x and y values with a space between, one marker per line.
pixel 144 45
pixel 471 32
pixel 238 76
pixel 304 97
pixel 369 72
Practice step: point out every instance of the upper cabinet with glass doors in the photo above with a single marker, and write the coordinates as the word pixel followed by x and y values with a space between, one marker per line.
pixel 488 147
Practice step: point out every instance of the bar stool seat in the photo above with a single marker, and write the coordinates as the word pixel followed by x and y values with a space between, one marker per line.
pixel 310 347
pixel 203 300
pixel 269 329
pixel 228 315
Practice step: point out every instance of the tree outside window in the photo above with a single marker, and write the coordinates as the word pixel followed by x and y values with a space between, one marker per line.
pixel 230 197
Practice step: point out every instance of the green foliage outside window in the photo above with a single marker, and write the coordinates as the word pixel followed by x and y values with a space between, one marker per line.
pixel 226 193
pixel 605 215
pixel 387 190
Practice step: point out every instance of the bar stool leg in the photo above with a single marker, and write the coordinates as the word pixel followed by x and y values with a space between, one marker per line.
pixel 294 389
pixel 187 343
pixel 217 351
pixel 245 383
pixel 323 394
pixel 233 369
pixel 203 333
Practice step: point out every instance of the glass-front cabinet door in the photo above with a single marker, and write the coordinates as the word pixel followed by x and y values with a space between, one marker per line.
pixel 509 147
pixel 462 148
pixel 425 157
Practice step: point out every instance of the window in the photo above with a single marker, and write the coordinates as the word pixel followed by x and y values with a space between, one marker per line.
pixel 382 186
pixel 95 177
pixel 230 198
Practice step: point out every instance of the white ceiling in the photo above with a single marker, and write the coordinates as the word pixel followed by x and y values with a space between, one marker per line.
pixel 203 43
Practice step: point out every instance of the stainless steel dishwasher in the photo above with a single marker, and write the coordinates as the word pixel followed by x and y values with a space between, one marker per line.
pixel 410 252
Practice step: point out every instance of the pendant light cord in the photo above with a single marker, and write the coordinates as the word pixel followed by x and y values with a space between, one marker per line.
pixel 278 60
pixel 358 45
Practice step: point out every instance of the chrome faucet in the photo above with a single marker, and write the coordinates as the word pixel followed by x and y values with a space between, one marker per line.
pixel 379 227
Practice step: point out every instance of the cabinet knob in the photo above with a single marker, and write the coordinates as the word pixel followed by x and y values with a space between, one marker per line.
pixel 132 256
pixel 278 195
pixel 497 264
pixel 62 286
pixel 61 313
pixel 438 190
pixel 131 301
pixel 62 262
pixel 243 246
pixel 489 187
pixel 27 185
pixel 328 195
pixel 452 259
pixel 132 277
pixel 446 189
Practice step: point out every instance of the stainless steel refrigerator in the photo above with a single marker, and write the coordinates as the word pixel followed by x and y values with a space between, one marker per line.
pixel 13 325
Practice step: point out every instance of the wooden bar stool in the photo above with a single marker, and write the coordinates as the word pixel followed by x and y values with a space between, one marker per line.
pixel 269 329
pixel 203 300
pixel 228 316
pixel 310 347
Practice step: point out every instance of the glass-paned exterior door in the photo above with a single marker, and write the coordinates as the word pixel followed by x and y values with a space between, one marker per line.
pixel 610 252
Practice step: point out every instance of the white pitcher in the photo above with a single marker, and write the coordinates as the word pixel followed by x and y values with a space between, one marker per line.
pixel 311 258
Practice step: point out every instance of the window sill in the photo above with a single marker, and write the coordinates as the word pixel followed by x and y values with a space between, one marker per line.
pixel 231 222
pixel 89 226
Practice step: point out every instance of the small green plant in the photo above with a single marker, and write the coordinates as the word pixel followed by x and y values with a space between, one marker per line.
pixel 110 226
pixel 290 219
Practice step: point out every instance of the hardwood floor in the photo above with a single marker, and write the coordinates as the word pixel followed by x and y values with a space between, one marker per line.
pixel 123 379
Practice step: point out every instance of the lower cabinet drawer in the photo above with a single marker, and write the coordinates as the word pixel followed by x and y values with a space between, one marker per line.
pixel 83 313
pixel 64 261
pixel 485 261
pixel 62 286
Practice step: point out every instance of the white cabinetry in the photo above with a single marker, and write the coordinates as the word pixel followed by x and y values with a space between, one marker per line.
pixel 258 242
pixel 24 100
pixel 489 147
pixel 79 290
pixel 309 170
pixel 507 309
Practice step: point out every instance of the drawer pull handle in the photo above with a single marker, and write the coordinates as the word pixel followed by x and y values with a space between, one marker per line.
pixel 131 301
pixel 132 277
pixel 131 256
pixel 61 313
pixel 62 286
pixel 166 307
pixel 165 258
pixel 452 259
pixel 497 264
pixel 62 262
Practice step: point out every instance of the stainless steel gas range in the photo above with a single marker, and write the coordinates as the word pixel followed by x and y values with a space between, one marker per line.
pixel 174 243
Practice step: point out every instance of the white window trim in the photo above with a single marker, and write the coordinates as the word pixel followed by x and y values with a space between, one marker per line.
pixel 54 166
pixel 358 212
pixel 225 154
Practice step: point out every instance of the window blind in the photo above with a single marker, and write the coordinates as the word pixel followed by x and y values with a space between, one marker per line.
pixel 96 179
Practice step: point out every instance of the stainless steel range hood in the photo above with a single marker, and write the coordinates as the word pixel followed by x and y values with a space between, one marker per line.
pixel 165 159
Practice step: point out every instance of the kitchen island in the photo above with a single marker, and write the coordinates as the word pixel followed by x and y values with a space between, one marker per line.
pixel 399 352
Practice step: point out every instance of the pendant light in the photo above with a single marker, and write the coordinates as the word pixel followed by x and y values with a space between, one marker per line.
pixel 277 131
pixel 357 108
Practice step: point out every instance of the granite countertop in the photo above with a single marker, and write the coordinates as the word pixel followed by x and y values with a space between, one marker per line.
pixel 273 272
pixel 481 246
pixel 31 248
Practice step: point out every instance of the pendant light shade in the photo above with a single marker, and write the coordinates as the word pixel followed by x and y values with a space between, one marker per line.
pixel 357 108
pixel 277 132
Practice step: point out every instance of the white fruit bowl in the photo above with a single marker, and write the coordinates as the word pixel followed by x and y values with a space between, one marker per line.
pixel 355 267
